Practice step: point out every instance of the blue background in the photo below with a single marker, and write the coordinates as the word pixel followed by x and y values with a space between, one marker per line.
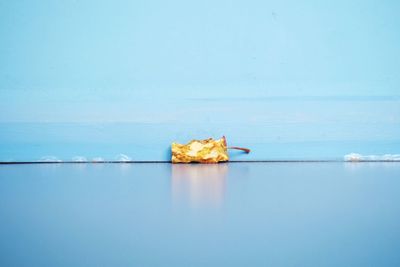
pixel 289 79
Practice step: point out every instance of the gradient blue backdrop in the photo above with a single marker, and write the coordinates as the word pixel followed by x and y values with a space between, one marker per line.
pixel 290 79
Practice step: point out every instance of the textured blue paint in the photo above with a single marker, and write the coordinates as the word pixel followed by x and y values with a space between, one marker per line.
pixel 237 214
pixel 25 142
pixel 268 74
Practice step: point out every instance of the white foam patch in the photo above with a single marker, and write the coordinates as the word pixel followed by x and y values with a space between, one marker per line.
pixel 49 159
pixel 359 157
pixel 79 159
pixel 123 158
pixel 98 159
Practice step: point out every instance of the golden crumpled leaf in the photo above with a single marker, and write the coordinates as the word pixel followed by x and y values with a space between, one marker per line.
pixel 203 151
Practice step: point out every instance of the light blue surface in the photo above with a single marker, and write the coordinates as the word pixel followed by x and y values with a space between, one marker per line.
pixel 261 72
pixel 237 214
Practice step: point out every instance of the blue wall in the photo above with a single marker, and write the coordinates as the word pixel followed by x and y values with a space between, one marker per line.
pixel 289 79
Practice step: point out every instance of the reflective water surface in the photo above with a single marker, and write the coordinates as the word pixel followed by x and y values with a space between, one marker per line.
pixel 237 214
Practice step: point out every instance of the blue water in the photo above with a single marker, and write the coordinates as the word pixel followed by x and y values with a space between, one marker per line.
pixel 237 214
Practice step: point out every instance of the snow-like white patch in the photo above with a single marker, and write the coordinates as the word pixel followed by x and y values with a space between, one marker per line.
pixel 359 157
pixel 353 157
pixel 49 159
pixel 123 158
pixel 79 159
pixel 98 159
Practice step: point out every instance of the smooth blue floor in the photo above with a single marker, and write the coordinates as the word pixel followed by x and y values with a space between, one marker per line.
pixel 237 214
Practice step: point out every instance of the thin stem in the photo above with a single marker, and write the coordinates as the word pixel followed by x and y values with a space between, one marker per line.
pixel 240 148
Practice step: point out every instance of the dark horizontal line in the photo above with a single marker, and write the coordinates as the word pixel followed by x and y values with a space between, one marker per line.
pixel 232 161
pixel 79 162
